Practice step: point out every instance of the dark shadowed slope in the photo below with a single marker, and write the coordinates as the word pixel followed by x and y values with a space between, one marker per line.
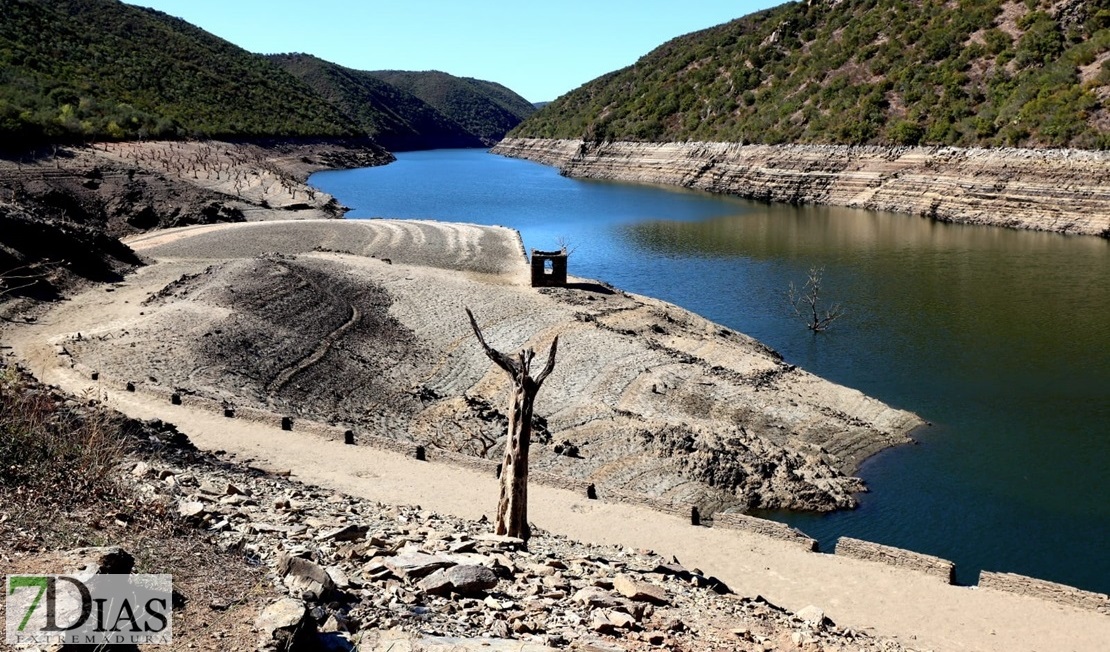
pixel 393 117
pixel 99 69
pixel 486 109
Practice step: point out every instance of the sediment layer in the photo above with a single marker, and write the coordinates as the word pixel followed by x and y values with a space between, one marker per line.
pixel 362 323
pixel 1065 191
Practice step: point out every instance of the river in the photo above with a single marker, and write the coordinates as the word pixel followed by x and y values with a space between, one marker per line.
pixel 999 338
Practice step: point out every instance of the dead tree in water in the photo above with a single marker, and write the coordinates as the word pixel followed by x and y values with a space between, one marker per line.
pixel 512 507
pixel 808 305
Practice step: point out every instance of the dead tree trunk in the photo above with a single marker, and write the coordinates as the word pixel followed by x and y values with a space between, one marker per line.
pixel 512 507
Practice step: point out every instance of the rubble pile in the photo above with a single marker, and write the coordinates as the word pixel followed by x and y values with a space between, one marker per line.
pixel 352 569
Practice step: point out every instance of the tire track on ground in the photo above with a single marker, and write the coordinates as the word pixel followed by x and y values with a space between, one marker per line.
pixel 322 349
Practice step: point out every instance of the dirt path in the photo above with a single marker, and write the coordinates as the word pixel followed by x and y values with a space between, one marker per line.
pixel 916 609
pixel 319 352
pixel 920 611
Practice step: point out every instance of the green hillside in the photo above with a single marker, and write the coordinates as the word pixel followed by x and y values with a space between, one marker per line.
pixel 963 72
pixel 396 119
pixel 486 109
pixel 91 69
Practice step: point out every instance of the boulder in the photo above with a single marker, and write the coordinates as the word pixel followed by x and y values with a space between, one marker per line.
pixel 415 565
pixel 604 621
pixel 593 596
pixel 464 579
pixel 303 575
pixel 284 624
pixel 212 488
pixel 191 509
pixel 338 576
pixel 813 617
pixel 349 532
pixel 639 591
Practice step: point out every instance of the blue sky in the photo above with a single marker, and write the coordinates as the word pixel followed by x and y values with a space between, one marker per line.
pixel 539 48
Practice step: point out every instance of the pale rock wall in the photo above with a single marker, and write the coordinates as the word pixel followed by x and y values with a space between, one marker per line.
pixel 773 529
pixel 867 551
pixel 1045 590
pixel 1066 191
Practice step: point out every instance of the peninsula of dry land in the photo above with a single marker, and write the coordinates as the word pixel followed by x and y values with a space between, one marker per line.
pixel 356 325
pixel 361 324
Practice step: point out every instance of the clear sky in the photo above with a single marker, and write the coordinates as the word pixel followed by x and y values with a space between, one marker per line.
pixel 538 48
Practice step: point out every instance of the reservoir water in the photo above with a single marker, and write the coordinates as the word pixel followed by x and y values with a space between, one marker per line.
pixel 999 338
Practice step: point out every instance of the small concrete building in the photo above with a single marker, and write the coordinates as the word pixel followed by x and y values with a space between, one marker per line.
pixel 549 268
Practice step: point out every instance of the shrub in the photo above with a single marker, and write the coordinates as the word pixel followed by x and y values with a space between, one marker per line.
pixel 905 132
pixel 51 453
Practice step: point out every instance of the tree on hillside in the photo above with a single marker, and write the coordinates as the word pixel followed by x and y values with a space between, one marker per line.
pixel 512 507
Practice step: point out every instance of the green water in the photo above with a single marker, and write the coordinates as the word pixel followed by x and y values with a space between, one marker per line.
pixel 1001 339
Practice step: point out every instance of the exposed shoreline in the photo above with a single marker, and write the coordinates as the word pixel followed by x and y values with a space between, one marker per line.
pixel 655 400
pixel 860 593
pixel 851 590
pixel 1063 191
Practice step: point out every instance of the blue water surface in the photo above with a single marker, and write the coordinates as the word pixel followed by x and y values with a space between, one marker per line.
pixel 999 338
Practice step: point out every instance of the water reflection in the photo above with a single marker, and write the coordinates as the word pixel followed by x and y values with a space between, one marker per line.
pixel 999 337
pixel 824 232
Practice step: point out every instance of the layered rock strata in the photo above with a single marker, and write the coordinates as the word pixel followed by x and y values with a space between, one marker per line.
pixel 1065 191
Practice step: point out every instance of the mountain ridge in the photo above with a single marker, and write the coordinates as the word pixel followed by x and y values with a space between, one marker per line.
pixel 79 70
pixel 884 72
pixel 393 117
pixel 487 109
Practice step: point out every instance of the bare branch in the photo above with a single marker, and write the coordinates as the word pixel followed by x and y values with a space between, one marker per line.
pixel 806 303
pixel 28 275
pixel 498 358
pixel 550 366
pixel 512 506
pixel 563 243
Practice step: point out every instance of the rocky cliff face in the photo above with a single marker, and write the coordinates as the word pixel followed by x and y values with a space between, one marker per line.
pixel 1066 191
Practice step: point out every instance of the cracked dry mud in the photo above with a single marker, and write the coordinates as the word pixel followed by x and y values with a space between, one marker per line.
pixel 361 324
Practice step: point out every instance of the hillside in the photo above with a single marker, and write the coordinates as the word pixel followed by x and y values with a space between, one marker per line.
pixel 393 117
pixel 73 70
pixel 889 72
pixel 486 109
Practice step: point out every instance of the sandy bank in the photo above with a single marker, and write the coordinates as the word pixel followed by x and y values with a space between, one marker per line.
pixel 1066 191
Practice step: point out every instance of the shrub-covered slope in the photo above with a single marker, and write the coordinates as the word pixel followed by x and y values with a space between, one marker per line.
pixel 962 72
pixel 485 109
pixel 393 117
pixel 94 69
